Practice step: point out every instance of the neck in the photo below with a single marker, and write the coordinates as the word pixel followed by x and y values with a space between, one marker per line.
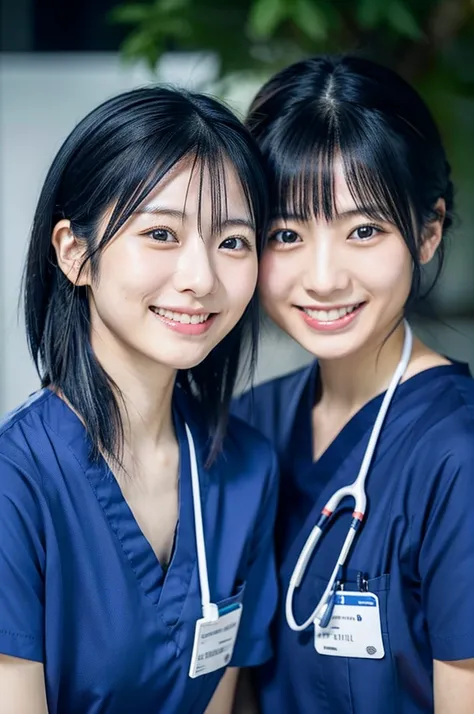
pixel 350 382
pixel 144 394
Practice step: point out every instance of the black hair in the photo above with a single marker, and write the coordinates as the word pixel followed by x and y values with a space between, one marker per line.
pixel 112 160
pixel 317 110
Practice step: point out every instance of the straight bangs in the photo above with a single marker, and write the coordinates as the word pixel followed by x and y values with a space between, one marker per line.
pixel 142 168
pixel 304 158
pixel 103 173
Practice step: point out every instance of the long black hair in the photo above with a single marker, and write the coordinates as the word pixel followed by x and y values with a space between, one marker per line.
pixel 112 160
pixel 320 109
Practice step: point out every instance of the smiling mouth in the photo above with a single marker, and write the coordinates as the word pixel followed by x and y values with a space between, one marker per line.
pixel 332 315
pixel 184 318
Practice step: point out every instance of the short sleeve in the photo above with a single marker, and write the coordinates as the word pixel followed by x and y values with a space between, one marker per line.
pixel 22 561
pixel 446 560
pixel 253 646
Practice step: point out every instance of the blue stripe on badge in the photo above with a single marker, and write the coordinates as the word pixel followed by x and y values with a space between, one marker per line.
pixel 229 608
pixel 355 600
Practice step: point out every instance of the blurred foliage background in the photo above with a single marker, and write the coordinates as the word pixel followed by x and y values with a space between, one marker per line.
pixel 429 42
pixel 418 38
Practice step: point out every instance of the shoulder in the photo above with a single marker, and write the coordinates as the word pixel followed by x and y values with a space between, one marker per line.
pixel 21 427
pixel 270 406
pixel 444 437
pixel 23 495
pixel 39 439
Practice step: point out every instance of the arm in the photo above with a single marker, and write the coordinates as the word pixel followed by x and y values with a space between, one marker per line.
pixel 454 686
pixel 446 566
pixel 22 686
pixel 245 699
pixel 223 699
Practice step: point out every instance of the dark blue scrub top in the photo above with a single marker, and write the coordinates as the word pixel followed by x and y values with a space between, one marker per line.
pixel 416 546
pixel 80 587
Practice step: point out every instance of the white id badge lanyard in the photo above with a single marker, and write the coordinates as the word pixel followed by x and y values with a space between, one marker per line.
pixel 216 631
pixel 354 629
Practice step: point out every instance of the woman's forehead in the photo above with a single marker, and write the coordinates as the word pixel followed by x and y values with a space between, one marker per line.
pixel 194 184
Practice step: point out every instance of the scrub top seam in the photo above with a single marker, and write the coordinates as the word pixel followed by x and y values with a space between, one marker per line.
pixel 156 605
pixel 112 528
pixel 14 419
pixel 421 446
pixel 451 638
pixel 116 532
pixel 21 635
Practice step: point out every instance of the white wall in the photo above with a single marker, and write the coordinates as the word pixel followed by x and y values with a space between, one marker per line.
pixel 42 97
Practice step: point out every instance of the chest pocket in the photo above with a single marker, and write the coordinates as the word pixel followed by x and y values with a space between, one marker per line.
pixel 350 685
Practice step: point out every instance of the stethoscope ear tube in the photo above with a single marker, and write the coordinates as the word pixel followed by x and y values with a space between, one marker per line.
pixel 297 576
pixel 322 612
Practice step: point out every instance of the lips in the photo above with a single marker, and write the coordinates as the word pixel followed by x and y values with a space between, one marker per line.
pixel 191 323
pixel 334 320
pixel 185 318
pixel 332 314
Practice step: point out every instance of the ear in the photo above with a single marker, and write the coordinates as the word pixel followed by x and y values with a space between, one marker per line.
pixel 70 253
pixel 433 233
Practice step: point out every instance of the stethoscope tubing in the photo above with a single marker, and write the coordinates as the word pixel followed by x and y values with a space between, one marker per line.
pixel 356 490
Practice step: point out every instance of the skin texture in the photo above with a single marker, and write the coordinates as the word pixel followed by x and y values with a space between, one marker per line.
pixel 162 257
pixel 350 260
pixel 454 686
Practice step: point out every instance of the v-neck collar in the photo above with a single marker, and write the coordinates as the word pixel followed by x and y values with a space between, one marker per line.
pixel 359 424
pixel 168 588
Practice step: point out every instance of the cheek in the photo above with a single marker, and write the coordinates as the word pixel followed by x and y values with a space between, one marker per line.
pixel 390 271
pixel 276 277
pixel 239 281
pixel 130 274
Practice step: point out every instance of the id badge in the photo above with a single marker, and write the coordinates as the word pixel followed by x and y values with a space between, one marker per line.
pixel 214 642
pixel 354 629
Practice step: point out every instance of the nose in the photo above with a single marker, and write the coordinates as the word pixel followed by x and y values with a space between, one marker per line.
pixel 325 272
pixel 195 271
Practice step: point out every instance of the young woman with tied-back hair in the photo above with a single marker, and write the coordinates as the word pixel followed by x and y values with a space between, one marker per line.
pixel 362 199
pixel 129 509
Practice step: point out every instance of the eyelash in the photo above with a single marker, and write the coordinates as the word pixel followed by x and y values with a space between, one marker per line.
pixel 272 236
pixel 375 227
pixel 157 230
pixel 245 241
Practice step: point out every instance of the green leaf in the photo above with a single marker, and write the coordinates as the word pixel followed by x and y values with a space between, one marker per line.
pixel 311 19
pixel 140 45
pixel 401 19
pixel 176 27
pixel 130 14
pixel 265 16
pixel 369 13
pixel 169 6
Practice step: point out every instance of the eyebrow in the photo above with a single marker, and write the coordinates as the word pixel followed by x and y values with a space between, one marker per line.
pixel 369 211
pixel 181 215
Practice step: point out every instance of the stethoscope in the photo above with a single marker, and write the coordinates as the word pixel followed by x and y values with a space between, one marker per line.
pixel 323 610
pixel 210 610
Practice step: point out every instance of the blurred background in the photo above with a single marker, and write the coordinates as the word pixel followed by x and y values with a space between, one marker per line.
pixel 59 59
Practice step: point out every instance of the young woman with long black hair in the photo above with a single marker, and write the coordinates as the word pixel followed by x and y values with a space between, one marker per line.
pixel 362 199
pixel 135 523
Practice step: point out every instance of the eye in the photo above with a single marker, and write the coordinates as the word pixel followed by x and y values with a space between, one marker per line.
pixel 285 237
pixel 161 235
pixel 363 233
pixel 235 243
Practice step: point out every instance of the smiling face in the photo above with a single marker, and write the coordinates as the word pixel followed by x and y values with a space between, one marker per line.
pixel 336 286
pixel 169 287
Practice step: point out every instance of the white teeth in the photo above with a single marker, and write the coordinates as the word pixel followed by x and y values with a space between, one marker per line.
pixel 329 315
pixel 182 317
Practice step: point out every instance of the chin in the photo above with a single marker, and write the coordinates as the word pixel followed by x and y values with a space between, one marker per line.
pixel 183 360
